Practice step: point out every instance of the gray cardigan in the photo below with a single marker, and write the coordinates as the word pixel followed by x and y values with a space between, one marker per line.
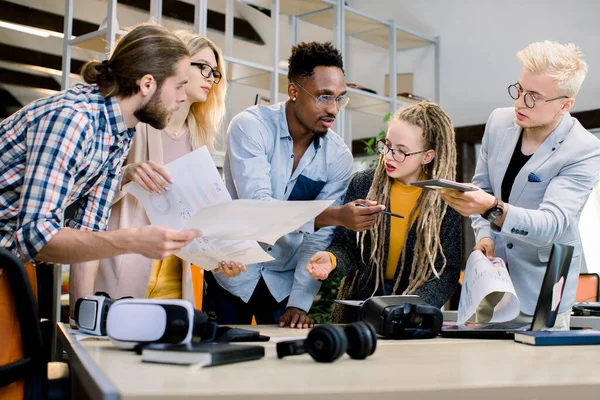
pixel 350 264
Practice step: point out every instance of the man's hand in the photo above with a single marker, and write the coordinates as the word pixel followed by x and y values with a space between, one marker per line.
pixel 149 175
pixel 295 317
pixel 487 247
pixel 319 266
pixel 230 269
pixel 468 203
pixel 159 242
pixel 359 218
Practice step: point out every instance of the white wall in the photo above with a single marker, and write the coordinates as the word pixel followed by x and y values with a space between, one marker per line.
pixel 479 39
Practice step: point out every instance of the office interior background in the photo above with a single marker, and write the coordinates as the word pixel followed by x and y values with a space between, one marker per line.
pixel 460 54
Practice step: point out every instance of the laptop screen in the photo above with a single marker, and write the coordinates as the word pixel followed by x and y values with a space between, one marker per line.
pixel 553 284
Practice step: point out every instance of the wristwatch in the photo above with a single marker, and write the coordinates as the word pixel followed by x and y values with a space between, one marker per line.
pixel 495 213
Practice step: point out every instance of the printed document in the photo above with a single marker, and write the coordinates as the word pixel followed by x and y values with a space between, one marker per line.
pixel 265 221
pixel 196 185
pixel 483 277
pixel 198 199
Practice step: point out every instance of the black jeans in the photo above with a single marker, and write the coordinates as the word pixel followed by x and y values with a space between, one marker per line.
pixel 226 308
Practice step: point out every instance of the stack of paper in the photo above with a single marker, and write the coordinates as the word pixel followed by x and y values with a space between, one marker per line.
pixel 198 199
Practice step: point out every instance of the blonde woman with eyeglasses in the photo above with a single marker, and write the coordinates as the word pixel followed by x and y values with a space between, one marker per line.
pixel 194 125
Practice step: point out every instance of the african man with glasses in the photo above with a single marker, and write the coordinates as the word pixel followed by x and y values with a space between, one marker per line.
pixel 536 169
pixel 418 254
pixel 287 151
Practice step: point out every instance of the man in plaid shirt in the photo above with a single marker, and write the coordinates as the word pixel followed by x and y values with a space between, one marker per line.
pixel 69 148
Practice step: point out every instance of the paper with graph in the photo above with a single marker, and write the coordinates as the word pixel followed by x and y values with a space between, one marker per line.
pixel 483 277
pixel 196 186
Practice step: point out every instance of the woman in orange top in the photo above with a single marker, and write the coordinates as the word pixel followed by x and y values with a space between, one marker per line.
pixel 419 254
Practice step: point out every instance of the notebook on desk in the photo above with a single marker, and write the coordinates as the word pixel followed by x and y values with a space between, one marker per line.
pixel 546 308
pixel 201 354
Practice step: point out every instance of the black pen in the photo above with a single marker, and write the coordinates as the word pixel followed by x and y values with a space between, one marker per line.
pixel 391 214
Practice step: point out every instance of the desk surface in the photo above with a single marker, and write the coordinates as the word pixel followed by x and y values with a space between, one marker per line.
pixel 420 369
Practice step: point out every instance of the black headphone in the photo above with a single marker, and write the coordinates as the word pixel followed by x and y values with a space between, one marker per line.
pixel 327 343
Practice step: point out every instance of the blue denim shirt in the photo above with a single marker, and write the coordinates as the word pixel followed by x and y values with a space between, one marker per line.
pixel 258 165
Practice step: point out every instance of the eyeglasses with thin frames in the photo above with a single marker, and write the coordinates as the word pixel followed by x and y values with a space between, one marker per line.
pixel 206 71
pixel 515 91
pixel 397 154
pixel 325 100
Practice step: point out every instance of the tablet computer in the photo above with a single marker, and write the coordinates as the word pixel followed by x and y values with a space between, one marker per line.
pixel 444 184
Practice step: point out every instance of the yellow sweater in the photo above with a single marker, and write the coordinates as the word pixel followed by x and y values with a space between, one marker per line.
pixel 402 200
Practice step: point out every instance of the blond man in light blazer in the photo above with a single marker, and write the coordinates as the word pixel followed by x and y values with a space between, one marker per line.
pixel 536 169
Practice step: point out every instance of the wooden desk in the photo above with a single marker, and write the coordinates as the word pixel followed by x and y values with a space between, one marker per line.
pixel 421 369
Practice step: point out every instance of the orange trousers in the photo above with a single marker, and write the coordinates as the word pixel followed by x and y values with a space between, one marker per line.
pixel 11 348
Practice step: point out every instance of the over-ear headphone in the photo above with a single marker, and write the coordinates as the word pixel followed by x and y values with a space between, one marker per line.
pixel 327 343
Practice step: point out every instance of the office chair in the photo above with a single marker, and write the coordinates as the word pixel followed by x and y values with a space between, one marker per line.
pixel 33 367
pixel 588 287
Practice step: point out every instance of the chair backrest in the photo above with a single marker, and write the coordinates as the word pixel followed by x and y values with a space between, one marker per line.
pixel 32 367
pixel 588 287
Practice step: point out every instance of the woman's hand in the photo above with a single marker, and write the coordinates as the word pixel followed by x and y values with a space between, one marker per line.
pixel 230 269
pixel 319 266
pixel 149 175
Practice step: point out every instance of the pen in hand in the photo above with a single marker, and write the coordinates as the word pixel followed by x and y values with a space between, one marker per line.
pixel 391 214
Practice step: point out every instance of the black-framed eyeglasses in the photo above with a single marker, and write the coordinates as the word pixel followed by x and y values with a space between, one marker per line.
pixel 326 100
pixel 397 154
pixel 206 71
pixel 515 91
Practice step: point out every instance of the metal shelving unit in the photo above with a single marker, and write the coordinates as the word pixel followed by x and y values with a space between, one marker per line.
pixel 346 23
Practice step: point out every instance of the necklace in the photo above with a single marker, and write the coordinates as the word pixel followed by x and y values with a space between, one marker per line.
pixel 179 133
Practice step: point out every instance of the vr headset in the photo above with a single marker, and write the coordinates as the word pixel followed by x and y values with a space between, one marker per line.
pixel 402 317
pixel 132 322
pixel 91 313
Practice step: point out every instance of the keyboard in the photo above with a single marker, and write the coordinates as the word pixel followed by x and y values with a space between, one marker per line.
pixel 502 326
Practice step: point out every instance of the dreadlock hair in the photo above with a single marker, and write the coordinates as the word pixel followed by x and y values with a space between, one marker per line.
pixel 306 57
pixel 438 135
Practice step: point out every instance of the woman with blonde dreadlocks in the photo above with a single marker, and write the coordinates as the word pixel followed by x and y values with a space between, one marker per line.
pixel 419 254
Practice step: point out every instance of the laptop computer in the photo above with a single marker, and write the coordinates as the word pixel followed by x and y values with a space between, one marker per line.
pixel 546 308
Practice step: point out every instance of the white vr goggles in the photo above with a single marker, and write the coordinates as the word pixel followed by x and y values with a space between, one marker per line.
pixel 137 321
pixel 91 314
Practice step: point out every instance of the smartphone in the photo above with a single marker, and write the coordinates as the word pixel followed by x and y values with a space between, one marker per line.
pixel 444 184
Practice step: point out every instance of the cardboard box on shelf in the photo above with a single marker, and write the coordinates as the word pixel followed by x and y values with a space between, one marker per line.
pixel 404 88
pixel 404 83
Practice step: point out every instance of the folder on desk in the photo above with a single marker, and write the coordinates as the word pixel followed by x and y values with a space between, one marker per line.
pixel 201 354
pixel 558 338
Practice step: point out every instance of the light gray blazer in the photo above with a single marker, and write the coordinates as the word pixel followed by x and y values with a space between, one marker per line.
pixel 540 213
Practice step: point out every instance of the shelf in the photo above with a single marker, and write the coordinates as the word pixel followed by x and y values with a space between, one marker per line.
pixel 368 102
pixel 259 76
pixel 356 24
pixel 252 74
pixel 404 39
pixel 368 29
pixel 95 41
pixel 292 7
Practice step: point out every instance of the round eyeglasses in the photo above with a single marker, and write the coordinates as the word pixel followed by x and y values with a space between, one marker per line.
pixel 397 154
pixel 206 71
pixel 324 101
pixel 515 91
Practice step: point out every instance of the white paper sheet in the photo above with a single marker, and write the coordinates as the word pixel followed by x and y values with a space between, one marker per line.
pixel 483 277
pixel 196 185
pixel 265 221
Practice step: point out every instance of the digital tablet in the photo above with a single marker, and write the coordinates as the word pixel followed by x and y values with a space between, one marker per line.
pixel 444 184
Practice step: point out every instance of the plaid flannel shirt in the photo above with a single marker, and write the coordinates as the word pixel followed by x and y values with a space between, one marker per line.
pixel 63 149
